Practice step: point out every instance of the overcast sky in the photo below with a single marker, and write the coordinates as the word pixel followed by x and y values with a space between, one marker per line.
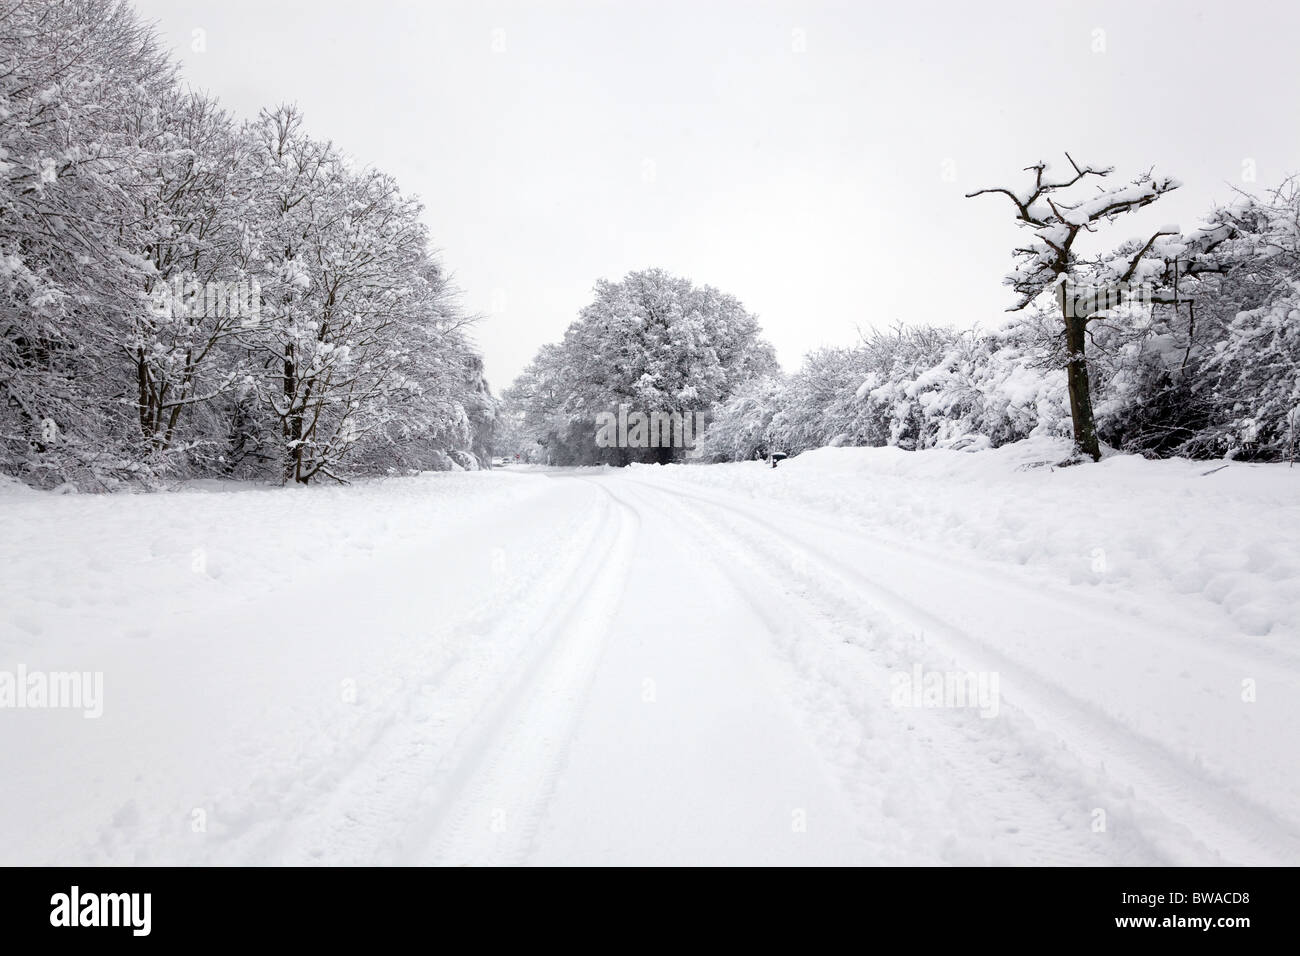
pixel 809 158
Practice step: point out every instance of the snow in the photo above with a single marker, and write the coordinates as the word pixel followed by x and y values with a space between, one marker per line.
pixel 1211 540
pixel 681 664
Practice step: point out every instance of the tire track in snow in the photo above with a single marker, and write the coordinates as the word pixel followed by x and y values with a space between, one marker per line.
pixel 988 803
pixel 1254 656
pixel 367 804
pixel 491 807
pixel 1169 790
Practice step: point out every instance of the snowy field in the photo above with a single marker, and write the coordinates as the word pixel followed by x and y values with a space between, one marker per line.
pixel 863 656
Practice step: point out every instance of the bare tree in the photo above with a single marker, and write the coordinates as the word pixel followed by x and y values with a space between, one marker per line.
pixel 1048 260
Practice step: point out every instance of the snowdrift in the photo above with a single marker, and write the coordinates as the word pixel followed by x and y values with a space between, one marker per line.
pixel 1215 539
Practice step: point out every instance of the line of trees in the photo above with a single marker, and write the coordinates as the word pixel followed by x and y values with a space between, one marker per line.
pixel 334 344
pixel 1198 354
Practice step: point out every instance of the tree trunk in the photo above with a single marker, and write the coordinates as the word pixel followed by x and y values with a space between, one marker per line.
pixel 1085 428
pixel 293 421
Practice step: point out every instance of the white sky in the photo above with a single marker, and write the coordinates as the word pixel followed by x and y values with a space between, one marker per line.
pixel 698 137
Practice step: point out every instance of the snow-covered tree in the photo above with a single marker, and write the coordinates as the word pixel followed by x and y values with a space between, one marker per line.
pixel 345 254
pixel 138 225
pixel 741 426
pixel 76 76
pixel 203 289
pixel 1049 261
pixel 652 342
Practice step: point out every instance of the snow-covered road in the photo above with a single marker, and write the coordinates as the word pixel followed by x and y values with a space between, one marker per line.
pixel 684 665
